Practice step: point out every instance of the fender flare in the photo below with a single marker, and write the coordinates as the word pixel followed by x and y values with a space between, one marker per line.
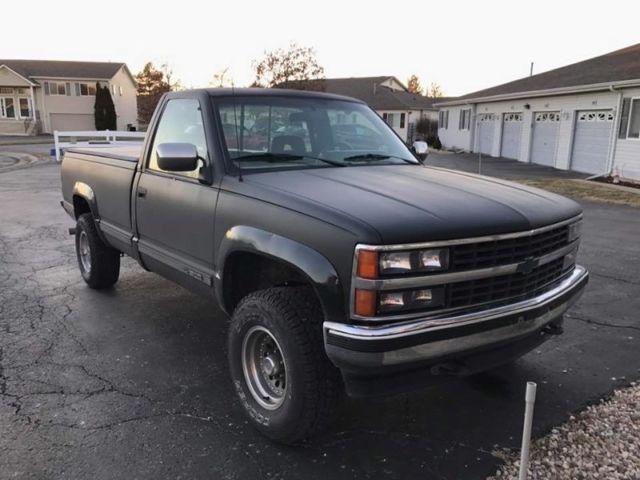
pixel 310 263
pixel 82 190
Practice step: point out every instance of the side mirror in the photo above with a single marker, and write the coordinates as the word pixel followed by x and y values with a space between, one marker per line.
pixel 177 157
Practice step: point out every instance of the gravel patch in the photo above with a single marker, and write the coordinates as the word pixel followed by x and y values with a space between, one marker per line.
pixel 583 190
pixel 601 442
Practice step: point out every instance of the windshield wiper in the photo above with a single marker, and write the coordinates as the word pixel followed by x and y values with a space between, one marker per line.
pixel 376 156
pixel 280 157
pixel 269 156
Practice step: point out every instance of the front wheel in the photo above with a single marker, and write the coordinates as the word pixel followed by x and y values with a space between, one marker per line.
pixel 285 382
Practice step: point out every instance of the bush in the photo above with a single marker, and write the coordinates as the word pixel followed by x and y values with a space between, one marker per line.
pixel 434 142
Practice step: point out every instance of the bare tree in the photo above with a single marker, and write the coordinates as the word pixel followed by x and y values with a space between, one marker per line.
pixel 435 90
pixel 221 79
pixel 167 69
pixel 296 67
pixel 413 85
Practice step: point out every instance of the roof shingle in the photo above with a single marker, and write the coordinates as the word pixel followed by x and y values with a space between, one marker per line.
pixel 616 66
pixel 63 69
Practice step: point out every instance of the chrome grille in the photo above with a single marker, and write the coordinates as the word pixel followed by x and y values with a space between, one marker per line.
pixel 501 252
pixel 516 286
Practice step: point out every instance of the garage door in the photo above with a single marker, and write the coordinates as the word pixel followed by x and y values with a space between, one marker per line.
pixel 546 126
pixel 511 135
pixel 591 141
pixel 72 121
pixel 486 131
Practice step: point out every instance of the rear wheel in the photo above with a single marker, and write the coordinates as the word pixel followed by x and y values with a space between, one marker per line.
pixel 99 264
pixel 285 382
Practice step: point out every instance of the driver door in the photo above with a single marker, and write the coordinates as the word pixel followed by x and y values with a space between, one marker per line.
pixel 175 212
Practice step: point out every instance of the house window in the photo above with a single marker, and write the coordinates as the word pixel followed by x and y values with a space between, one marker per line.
pixel 634 119
pixel 389 118
pixel 7 107
pixel 120 90
pixel 57 88
pixel 113 90
pixel 402 119
pixel 464 122
pixel 85 89
pixel 25 107
pixel 6 90
pixel 443 119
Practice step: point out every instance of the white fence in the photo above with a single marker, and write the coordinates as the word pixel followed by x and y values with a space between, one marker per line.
pixel 84 139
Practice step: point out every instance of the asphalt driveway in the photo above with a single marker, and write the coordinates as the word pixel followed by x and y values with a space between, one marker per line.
pixel 132 383
pixel 497 167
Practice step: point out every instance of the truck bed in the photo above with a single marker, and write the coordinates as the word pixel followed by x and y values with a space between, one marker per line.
pixel 129 153
pixel 108 171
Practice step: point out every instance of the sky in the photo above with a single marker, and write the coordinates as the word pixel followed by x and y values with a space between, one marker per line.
pixel 463 46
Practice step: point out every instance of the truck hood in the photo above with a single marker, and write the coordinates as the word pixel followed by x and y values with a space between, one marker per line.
pixel 406 203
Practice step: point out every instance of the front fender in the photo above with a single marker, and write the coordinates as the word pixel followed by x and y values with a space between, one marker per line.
pixel 312 264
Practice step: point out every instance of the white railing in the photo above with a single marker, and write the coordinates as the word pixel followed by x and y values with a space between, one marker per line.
pixel 92 138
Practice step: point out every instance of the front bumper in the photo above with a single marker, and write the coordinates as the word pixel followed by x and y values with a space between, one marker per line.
pixel 376 350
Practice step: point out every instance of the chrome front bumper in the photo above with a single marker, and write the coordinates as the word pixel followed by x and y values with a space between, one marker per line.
pixel 365 348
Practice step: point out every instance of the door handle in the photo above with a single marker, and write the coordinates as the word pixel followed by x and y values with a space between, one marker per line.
pixel 142 192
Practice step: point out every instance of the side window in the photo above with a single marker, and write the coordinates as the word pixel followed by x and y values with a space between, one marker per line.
pixel 181 122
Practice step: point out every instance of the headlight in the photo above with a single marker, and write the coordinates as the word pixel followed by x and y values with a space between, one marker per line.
pixel 575 230
pixel 432 260
pixel 410 300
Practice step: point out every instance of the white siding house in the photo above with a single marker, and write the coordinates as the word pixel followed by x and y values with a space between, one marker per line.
pixel 41 96
pixel 583 117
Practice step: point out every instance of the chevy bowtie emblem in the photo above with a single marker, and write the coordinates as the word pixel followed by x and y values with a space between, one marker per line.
pixel 528 265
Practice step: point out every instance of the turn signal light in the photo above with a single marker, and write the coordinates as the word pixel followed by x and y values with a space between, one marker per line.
pixel 365 303
pixel 367 264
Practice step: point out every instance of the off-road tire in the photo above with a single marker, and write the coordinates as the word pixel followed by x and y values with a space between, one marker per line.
pixel 293 317
pixel 104 261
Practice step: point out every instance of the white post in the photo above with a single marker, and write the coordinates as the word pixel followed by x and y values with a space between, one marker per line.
pixel 55 145
pixel 530 399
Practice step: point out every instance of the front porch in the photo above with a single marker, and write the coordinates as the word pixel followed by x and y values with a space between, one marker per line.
pixel 18 112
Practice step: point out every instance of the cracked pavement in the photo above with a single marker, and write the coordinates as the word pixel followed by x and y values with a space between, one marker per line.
pixel 133 383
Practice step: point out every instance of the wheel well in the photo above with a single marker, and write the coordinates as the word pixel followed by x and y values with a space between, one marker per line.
pixel 247 272
pixel 80 206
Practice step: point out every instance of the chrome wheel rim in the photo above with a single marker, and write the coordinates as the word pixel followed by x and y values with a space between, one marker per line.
pixel 84 251
pixel 264 367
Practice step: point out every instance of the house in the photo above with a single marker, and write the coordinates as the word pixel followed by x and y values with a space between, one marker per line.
pixel 40 96
pixel 388 96
pixel 583 117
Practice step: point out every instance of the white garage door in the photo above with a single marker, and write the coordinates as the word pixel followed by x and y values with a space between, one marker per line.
pixel 546 126
pixel 591 141
pixel 511 135
pixel 72 121
pixel 486 131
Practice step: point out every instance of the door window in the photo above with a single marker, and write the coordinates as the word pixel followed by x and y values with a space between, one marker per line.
pixel 25 108
pixel 181 122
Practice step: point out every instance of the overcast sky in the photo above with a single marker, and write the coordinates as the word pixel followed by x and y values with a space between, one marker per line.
pixel 462 45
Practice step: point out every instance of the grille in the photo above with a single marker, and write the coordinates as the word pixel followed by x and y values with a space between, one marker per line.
pixel 515 286
pixel 502 252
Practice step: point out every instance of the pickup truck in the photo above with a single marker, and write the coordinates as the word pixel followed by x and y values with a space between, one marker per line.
pixel 344 263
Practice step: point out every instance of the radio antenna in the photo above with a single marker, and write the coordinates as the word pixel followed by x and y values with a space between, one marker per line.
pixel 235 124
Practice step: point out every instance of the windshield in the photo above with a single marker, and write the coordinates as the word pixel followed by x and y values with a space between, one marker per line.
pixel 270 132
